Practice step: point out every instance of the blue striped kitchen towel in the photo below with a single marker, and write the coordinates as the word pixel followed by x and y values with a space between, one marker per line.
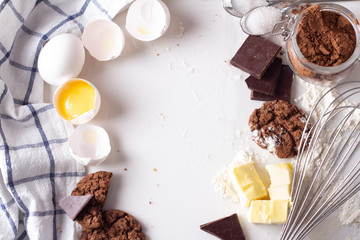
pixel 35 164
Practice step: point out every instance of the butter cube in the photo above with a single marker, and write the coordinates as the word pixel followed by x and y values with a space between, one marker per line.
pixel 268 211
pixel 280 193
pixel 279 211
pixel 280 174
pixel 260 211
pixel 247 183
pixel 281 180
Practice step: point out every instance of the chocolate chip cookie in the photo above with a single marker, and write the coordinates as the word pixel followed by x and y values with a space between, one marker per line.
pixel 278 126
pixel 96 184
pixel 98 224
pixel 118 225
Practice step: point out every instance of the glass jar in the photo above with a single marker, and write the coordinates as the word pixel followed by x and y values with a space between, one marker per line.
pixel 315 73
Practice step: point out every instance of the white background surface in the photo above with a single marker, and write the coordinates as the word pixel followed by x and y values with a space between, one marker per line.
pixel 180 112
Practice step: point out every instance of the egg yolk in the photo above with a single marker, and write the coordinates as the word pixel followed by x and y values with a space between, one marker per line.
pixel 143 30
pixel 75 99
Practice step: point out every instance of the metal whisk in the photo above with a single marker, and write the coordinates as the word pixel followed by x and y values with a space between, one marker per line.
pixel 336 169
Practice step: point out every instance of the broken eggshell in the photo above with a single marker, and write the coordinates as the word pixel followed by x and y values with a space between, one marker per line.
pixel 71 95
pixel 103 39
pixel 147 20
pixel 89 144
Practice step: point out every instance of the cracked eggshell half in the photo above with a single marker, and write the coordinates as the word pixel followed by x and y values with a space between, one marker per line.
pixel 103 39
pixel 89 144
pixel 62 58
pixel 147 20
pixel 77 101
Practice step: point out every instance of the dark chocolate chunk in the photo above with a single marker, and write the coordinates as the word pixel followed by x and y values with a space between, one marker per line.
pixel 73 205
pixel 268 83
pixel 283 89
pixel 227 228
pixel 255 56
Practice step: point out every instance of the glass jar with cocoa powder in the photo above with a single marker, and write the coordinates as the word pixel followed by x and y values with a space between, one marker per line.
pixel 325 44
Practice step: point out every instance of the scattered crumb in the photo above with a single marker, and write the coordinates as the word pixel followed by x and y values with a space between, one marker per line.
pixel 177 45
pixel 118 150
pixel 191 70
pixel 155 170
pixel 125 169
pixel 239 132
pixel 238 77
pixel 158 185
pixel 158 54
pixel 170 67
pixel 181 30
pixel 162 119
pixel 150 202
pixel 185 132
pixel 225 61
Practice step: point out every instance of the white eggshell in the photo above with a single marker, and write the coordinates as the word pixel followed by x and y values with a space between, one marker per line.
pixel 85 117
pixel 147 20
pixel 61 59
pixel 89 144
pixel 103 39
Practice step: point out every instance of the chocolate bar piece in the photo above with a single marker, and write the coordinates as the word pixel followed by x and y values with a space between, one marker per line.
pixel 73 205
pixel 227 228
pixel 255 56
pixel 268 83
pixel 283 89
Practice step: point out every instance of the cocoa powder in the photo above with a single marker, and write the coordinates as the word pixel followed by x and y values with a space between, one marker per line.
pixel 325 38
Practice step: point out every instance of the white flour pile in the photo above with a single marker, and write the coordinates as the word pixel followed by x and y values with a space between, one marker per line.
pixel 308 100
pixel 222 181
pixel 243 6
pixel 349 213
pixel 223 186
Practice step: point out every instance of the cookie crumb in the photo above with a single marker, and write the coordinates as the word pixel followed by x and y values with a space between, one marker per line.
pixel 181 30
pixel 125 169
pixel 155 170
pixel 150 202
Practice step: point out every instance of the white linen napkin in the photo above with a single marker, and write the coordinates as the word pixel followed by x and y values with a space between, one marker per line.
pixel 35 164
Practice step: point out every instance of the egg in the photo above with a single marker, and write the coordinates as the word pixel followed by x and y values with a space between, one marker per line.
pixel 61 59
pixel 147 20
pixel 77 101
pixel 103 39
pixel 89 144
